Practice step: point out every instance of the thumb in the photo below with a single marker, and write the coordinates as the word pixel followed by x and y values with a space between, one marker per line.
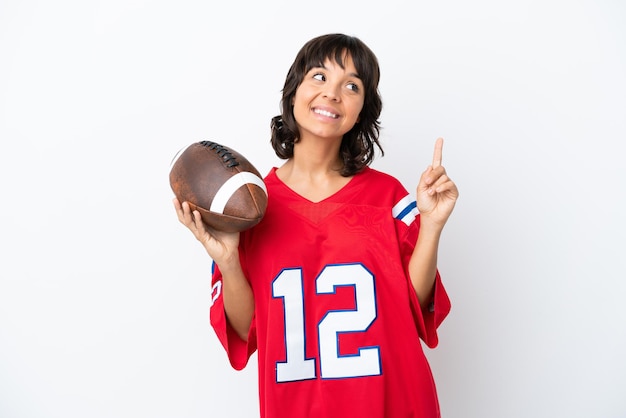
pixel 426 180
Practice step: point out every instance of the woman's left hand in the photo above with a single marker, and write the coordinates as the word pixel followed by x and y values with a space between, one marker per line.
pixel 436 192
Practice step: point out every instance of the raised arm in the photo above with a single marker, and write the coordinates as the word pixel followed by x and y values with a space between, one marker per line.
pixel 436 197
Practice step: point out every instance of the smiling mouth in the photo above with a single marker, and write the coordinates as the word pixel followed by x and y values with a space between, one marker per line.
pixel 325 113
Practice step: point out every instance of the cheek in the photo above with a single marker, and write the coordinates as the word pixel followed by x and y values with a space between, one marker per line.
pixel 358 108
pixel 300 102
pixel 302 95
pixel 298 111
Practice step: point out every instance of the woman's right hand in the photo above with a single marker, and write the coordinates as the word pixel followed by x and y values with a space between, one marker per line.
pixel 223 247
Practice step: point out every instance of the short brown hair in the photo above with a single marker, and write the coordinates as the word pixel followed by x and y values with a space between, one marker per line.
pixel 357 147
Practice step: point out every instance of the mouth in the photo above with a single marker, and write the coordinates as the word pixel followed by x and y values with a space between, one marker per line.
pixel 325 113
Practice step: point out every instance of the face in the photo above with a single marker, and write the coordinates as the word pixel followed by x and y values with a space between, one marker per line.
pixel 329 100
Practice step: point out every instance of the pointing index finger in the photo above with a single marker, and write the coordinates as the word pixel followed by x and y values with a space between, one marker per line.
pixel 438 152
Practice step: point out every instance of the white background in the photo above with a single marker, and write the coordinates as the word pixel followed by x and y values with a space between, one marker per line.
pixel 104 296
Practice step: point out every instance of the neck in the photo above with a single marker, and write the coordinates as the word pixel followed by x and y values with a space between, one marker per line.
pixel 317 158
pixel 314 171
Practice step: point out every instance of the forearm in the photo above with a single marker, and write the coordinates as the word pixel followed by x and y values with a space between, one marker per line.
pixel 423 263
pixel 238 300
pixel 436 197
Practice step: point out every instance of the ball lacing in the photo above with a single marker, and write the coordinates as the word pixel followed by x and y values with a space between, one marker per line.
pixel 227 156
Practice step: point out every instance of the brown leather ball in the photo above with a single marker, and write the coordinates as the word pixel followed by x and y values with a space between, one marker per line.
pixel 221 184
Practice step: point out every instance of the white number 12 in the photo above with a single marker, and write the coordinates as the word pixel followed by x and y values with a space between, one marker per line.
pixel 288 286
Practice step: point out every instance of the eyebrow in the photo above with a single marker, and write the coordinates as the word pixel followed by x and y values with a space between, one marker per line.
pixel 356 75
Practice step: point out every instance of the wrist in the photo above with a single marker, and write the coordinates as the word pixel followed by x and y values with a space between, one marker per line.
pixel 228 266
pixel 430 226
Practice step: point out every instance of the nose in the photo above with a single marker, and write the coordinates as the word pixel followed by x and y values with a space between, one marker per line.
pixel 331 92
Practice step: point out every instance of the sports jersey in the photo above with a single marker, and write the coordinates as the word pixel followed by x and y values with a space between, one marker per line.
pixel 337 325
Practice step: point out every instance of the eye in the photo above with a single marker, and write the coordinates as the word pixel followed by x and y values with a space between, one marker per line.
pixel 354 87
pixel 319 77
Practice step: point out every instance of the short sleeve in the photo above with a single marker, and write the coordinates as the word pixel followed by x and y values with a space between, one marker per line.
pixel 428 319
pixel 237 350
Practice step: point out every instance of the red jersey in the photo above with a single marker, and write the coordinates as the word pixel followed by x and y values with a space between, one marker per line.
pixel 337 324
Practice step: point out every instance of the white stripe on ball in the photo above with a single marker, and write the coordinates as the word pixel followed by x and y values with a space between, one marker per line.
pixel 177 156
pixel 230 186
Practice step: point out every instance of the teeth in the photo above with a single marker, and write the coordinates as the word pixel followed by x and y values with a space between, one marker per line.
pixel 325 113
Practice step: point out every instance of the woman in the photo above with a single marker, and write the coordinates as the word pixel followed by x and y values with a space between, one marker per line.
pixel 338 283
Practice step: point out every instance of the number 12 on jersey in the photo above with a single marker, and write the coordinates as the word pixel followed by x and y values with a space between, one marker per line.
pixel 288 286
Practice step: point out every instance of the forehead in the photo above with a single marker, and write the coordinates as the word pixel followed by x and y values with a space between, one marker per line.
pixel 342 59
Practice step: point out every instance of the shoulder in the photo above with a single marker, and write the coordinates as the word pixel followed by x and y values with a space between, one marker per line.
pixel 271 180
pixel 374 174
pixel 378 189
pixel 271 175
pixel 389 191
pixel 384 184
